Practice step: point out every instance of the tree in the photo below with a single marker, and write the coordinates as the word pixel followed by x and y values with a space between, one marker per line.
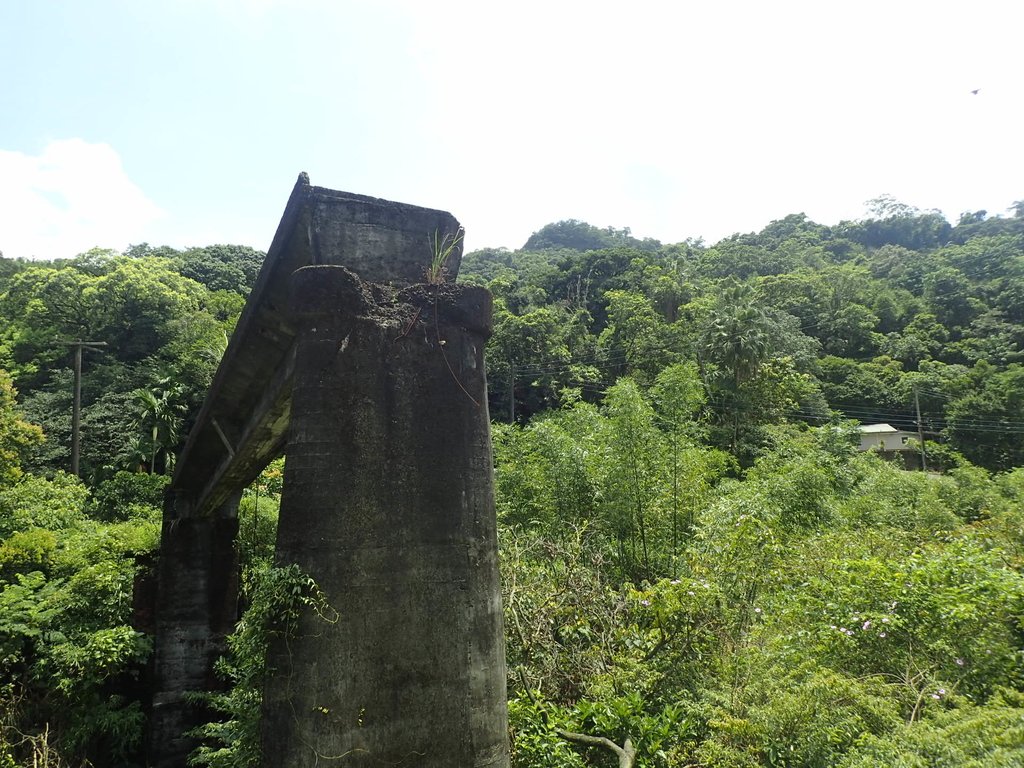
pixel 43 305
pixel 736 337
pixel 634 476
pixel 896 223
pixel 679 398
pixel 223 267
pixel 923 338
pixel 70 660
pixel 948 293
pixel 17 436
pixel 159 414
pixel 580 236
pixel 985 423
pixel 531 358
pixel 636 341
pixel 582 279
pixel 735 341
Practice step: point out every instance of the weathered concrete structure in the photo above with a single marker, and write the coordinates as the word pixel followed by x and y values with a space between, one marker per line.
pixel 374 388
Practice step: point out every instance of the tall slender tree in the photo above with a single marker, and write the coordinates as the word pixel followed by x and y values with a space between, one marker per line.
pixel 160 411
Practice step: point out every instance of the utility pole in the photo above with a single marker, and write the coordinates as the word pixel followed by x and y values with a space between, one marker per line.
pixel 920 430
pixel 511 392
pixel 76 410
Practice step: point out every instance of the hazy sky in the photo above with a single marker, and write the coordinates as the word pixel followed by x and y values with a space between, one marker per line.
pixel 186 122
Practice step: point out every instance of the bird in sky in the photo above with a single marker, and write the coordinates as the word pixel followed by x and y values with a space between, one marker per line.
pixel 976 91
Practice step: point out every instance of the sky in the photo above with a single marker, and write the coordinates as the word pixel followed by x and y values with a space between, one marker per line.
pixel 186 122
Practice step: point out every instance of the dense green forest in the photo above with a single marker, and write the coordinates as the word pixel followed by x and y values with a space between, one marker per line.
pixel 700 567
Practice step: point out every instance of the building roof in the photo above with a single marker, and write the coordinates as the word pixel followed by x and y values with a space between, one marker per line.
pixel 875 428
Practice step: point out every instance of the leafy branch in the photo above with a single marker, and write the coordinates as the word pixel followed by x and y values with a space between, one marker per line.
pixel 626 753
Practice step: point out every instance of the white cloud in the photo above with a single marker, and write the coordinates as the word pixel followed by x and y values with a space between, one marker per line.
pixel 71 197
pixel 692 119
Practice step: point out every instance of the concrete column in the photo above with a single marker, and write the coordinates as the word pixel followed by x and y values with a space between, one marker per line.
pixel 388 504
pixel 198 607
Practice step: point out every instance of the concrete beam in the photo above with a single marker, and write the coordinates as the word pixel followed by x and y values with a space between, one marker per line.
pixel 382 241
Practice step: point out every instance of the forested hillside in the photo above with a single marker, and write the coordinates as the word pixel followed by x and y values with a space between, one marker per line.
pixel 700 567
pixel 796 323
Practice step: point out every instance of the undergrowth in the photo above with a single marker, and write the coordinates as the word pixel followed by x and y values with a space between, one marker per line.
pixel 278 596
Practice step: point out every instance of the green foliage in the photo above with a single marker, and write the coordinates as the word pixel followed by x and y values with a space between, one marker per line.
pixel 81 672
pixel 636 342
pixel 126 496
pixel 535 742
pixel 633 478
pixel 899 224
pixel 695 555
pixel 27 551
pixel 737 338
pixel 159 412
pixel 965 736
pixel 257 517
pixel 638 483
pixel 933 622
pixel 802 717
pixel 36 502
pixel 750 363
pixel 67 663
pixel 990 410
pixel 528 359
pixel 585 647
pixel 888 497
pixel 580 236
pixel 70 662
pixel 799 490
pixel 28 613
pixel 548 473
pixel 223 267
pixel 68 657
pixel 810 609
pixel 157 324
pixel 16 435
pixel 277 597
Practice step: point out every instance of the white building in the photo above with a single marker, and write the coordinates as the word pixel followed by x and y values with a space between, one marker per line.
pixel 885 438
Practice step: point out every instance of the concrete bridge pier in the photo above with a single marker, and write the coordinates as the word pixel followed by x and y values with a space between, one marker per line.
pixel 198 586
pixel 388 505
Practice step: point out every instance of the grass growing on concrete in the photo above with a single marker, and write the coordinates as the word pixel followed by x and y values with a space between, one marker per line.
pixel 442 247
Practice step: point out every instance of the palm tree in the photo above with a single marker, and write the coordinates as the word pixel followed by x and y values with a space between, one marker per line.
pixel 160 412
pixel 737 337
pixel 738 340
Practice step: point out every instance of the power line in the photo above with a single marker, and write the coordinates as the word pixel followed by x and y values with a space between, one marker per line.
pixel 555 366
pixel 1017 427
